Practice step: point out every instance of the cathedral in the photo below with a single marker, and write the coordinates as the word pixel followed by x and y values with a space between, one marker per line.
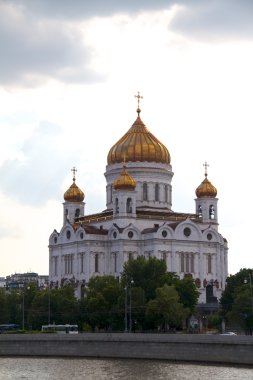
pixel 139 220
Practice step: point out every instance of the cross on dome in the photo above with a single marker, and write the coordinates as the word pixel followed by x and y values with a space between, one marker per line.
pixel 206 166
pixel 138 96
pixel 74 170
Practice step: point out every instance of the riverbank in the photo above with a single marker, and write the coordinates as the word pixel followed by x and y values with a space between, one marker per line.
pixel 194 348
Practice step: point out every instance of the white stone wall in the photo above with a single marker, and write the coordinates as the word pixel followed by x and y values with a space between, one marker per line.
pixel 167 243
pixel 144 172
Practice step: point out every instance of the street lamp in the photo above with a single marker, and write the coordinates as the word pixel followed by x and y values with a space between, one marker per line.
pixel 130 306
pixel 126 308
pixel 23 310
pixel 251 295
pixel 49 304
pixel 23 306
pixel 250 284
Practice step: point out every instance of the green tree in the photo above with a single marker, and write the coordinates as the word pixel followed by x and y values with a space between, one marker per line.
pixel 102 303
pixel 233 283
pixel 3 307
pixel 14 305
pixel 146 274
pixel 241 313
pixel 188 293
pixel 236 301
pixel 165 310
pixel 152 274
pixel 64 307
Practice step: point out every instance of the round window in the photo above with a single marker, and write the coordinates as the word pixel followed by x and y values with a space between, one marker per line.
pixel 187 231
pixel 81 235
pixel 115 234
pixel 209 236
pixel 164 233
pixel 68 234
pixel 55 239
pixel 130 234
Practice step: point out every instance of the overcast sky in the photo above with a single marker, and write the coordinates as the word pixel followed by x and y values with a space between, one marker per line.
pixel 69 71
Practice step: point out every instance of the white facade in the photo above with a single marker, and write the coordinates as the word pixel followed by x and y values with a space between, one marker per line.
pixel 138 222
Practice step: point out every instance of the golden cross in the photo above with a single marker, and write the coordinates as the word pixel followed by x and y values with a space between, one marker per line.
pixel 138 96
pixel 74 170
pixel 206 166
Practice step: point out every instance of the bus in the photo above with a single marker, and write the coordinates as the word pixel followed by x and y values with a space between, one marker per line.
pixel 60 329
pixel 9 327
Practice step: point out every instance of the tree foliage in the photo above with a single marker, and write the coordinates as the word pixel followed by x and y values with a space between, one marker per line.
pixel 146 296
pixel 237 300
pixel 165 310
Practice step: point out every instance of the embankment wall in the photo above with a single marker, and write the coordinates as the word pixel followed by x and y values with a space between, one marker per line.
pixel 200 348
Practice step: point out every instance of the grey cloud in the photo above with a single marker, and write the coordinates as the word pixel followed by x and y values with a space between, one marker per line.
pixel 38 177
pixel 83 9
pixel 217 19
pixel 40 39
pixel 33 49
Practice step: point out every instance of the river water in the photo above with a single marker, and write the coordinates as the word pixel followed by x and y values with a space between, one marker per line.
pixel 114 369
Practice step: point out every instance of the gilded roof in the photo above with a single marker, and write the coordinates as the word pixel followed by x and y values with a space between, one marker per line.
pixel 124 181
pixel 74 194
pixel 138 144
pixel 206 189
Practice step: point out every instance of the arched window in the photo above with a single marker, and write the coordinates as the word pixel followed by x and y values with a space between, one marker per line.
pixel 110 189
pixel 68 262
pixel 200 211
pixel 145 192
pixel 129 208
pixel 211 212
pixel 209 264
pixel 156 192
pixel 166 190
pixel 192 263
pixel 55 265
pixel 82 262
pixel 77 213
pixel 96 263
pixel 187 263
pixel 115 262
pixel 182 262
pixel 117 205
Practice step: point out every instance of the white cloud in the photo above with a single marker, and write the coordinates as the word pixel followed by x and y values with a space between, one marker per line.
pixel 197 101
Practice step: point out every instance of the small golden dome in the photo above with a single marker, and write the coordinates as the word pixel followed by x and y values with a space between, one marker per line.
pixel 138 144
pixel 124 181
pixel 206 189
pixel 74 194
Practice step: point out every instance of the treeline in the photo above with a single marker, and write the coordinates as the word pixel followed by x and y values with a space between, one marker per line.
pixel 147 297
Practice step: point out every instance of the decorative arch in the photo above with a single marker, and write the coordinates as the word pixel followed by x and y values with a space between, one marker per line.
pixel 188 230
pixel 63 233
pixel 134 230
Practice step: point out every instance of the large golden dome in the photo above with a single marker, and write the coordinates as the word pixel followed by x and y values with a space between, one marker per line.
pixel 124 181
pixel 206 189
pixel 138 144
pixel 74 194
